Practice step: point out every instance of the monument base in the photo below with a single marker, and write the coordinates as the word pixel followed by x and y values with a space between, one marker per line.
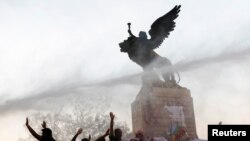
pixel 164 111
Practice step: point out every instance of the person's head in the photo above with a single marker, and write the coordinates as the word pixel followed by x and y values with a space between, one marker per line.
pixel 85 139
pixel 143 35
pixel 101 139
pixel 46 132
pixel 118 133
pixel 47 135
pixel 139 134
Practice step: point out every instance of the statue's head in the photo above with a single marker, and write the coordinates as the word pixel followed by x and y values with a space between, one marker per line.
pixel 142 35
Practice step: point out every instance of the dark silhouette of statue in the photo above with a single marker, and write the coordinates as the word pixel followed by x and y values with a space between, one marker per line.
pixel 141 49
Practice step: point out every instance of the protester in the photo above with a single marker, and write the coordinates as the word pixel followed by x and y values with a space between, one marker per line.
pixel 46 132
pixel 117 134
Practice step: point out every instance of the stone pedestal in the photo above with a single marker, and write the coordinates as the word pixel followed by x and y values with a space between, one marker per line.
pixel 157 111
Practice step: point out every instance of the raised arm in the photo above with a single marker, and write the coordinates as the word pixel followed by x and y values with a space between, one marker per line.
pixel 112 116
pixel 78 133
pixel 102 138
pixel 89 137
pixel 129 31
pixel 33 133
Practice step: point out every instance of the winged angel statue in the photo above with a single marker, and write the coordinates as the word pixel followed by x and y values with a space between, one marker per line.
pixel 141 50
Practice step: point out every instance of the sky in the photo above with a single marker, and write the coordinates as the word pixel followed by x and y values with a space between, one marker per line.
pixel 51 50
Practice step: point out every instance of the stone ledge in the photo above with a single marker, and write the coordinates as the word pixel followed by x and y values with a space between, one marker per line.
pixel 171 92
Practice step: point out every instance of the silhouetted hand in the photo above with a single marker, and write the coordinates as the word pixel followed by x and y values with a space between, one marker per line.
pixel 106 133
pixel 79 131
pixel 220 123
pixel 112 116
pixel 89 137
pixel 44 124
pixel 27 121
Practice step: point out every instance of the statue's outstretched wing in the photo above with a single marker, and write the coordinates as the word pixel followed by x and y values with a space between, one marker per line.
pixel 161 28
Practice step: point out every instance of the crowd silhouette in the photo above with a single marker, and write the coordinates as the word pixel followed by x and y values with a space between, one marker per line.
pixel 114 134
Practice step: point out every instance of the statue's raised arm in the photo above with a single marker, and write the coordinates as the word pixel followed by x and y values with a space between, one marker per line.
pixel 129 30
